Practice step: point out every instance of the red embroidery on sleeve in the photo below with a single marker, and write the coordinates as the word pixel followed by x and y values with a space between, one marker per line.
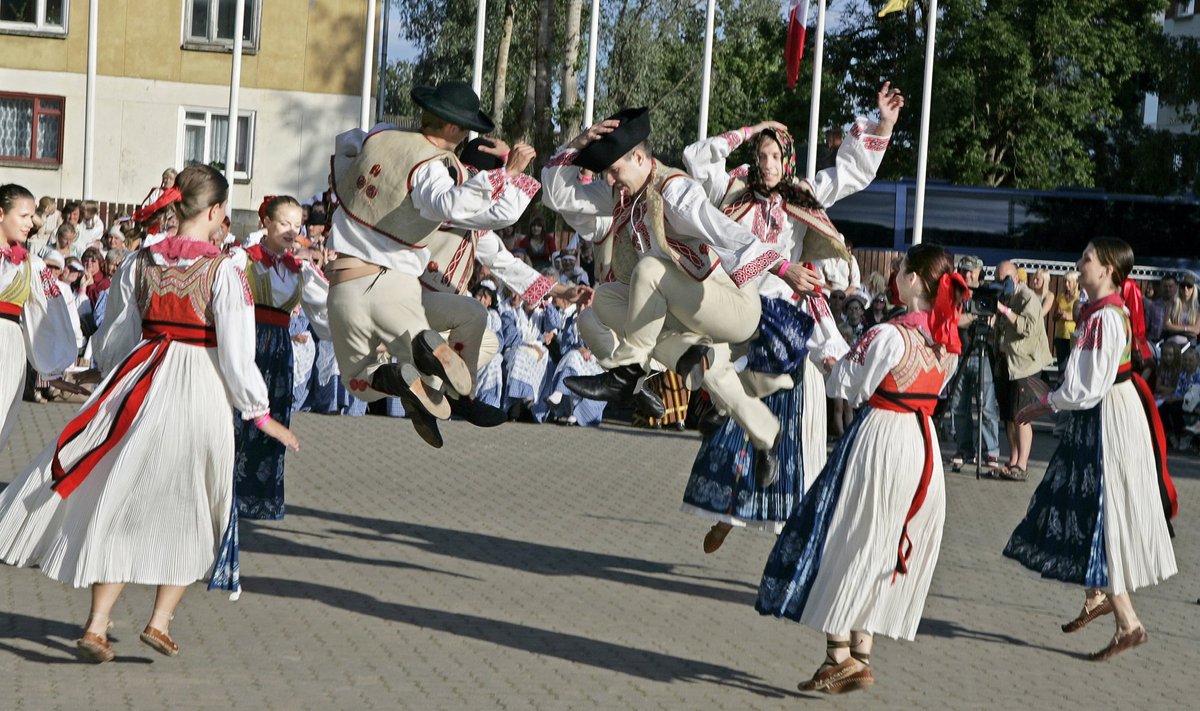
pixel 858 354
pixel 757 266
pixel 245 287
pixel 1091 336
pixel 562 158
pixel 740 173
pixel 733 138
pixel 526 184
pixel 537 290
pixel 50 285
pixel 497 179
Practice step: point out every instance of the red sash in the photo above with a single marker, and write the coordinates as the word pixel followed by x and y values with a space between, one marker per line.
pixel 922 405
pixel 272 316
pixel 10 311
pixel 159 337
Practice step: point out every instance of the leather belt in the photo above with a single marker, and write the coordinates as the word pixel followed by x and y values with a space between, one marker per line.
pixel 346 268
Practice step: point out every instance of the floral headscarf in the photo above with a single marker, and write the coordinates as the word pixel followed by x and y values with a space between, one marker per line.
pixel 790 187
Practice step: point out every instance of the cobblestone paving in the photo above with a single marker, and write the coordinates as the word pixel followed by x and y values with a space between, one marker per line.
pixel 539 567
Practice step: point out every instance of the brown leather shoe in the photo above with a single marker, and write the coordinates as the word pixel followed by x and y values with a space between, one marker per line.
pixel 833 675
pixel 1120 643
pixel 160 641
pixel 1086 616
pixel 858 680
pixel 95 648
pixel 715 537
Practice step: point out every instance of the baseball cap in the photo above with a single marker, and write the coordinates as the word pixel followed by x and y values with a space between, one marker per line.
pixel 970 262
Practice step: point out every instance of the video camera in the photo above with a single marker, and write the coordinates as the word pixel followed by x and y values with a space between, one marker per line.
pixel 985 300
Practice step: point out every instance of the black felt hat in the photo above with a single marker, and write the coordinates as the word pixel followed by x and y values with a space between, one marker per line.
pixel 456 102
pixel 635 128
pixel 472 156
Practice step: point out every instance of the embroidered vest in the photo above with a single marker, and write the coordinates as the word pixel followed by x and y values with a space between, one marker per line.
pixel 262 290
pixel 913 384
pixel 374 187
pixel 638 224
pixel 18 290
pixel 177 297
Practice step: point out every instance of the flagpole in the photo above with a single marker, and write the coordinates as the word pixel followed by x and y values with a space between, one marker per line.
pixel 926 100
pixel 814 106
pixel 707 77
pixel 364 106
pixel 477 68
pixel 589 102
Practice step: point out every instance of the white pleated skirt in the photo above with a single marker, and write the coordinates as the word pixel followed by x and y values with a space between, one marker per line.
pixel 153 510
pixel 854 588
pixel 815 424
pixel 1137 543
pixel 12 376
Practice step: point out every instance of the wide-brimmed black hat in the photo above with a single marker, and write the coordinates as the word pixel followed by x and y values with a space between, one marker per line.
pixel 456 102
pixel 600 154
pixel 472 156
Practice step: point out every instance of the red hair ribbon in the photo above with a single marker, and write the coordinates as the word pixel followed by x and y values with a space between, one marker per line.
pixel 1132 294
pixel 262 209
pixel 943 322
pixel 170 196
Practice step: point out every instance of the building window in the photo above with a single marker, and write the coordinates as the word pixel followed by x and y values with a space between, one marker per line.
pixel 1186 8
pixel 204 137
pixel 39 17
pixel 208 24
pixel 31 128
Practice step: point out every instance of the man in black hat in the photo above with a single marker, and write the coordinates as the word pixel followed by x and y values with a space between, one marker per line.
pixel 677 277
pixel 395 190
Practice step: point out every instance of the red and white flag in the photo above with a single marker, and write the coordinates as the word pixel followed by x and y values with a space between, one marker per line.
pixel 794 51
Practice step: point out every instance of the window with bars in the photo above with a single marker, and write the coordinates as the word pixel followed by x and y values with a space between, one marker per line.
pixel 204 138
pixel 31 128
pixel 41 17
pixel 209 24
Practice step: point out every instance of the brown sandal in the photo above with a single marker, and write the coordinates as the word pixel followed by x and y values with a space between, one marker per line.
pixel 95 648
pixel 715 537
pixel 860 679
pixel 1086 616
pixel 160 641
pixel 835 677
pixel 1120 643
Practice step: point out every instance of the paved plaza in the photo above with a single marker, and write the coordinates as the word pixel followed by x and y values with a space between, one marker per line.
pixel 540 567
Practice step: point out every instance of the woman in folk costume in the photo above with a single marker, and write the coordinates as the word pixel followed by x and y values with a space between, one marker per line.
pixel 489 380
pixel 279 283
pixel 575 358
pixel 781 209
pixel 1100 516
pixel 35 319
pixel 528 328
pixel 137 488
pixel 856 556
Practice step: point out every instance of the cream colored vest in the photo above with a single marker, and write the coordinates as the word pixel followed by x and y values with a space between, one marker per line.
pixel 374 187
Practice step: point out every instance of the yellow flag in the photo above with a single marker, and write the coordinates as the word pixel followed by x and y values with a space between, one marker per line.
pixel 895 6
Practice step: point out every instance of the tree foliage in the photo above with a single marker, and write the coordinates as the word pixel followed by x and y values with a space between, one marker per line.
pixel 1026 93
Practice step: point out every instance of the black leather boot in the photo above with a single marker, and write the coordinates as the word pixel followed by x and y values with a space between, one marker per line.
pixel 478 413
pixel 615 385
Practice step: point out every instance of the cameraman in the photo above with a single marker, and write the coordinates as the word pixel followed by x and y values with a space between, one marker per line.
pixel 975 379
pixel 1022 341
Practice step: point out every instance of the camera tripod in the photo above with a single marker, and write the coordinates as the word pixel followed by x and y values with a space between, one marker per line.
pixel 980 334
